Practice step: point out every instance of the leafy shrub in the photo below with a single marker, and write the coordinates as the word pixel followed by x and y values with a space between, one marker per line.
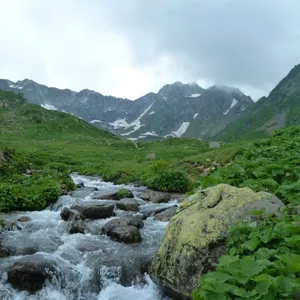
pixel 263 263
pixel 31 197
pixel 164 178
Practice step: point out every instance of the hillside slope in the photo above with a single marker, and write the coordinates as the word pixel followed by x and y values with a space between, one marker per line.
pixel 280 109
pixel 21 118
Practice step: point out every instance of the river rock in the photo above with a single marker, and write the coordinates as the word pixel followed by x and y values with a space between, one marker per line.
pixel 80 185
pixel 195 237
pixel 154 196
pixel 68 214
pixel 30 272
pixel 127 234
pixel 105 196
pixel 4 252
pixel 166 215
pixel 94 210
pixel 154 210
pixel 83 192
pixel 128 204
pixel 145 196
pixel 136 221
pixel 24 219
pixel 11 226
pixel 77 227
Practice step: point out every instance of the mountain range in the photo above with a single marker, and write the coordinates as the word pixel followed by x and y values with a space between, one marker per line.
pixel 177 110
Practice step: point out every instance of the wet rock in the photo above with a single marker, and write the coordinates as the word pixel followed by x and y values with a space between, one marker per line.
pixel 4 252
pixel 77 227
pixel 196 236
pixel 63 192
pixel 136 221
pixel 145 196
pixel 30 273
pixel 128 204
pixel 152 211
pixel 68 214
pixel 94 210
pixel 166 215
pixel 127 235
pixel 105 196
pixel 83 192
pixel 24 219
pixel 11 226
pixel 80 185
pixel 155 197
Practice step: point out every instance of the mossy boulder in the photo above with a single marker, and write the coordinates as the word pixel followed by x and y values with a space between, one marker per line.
pixel 124 193
pixel 196 235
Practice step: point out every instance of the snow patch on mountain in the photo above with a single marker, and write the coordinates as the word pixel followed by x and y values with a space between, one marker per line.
pixel 182 129
pixel 152 113
pixel 137 123
pixel 196 115
pixel 193 96
pixel 49 106
pixel 234 102
pixel 150 133
pixel 120 123
pixel 95 121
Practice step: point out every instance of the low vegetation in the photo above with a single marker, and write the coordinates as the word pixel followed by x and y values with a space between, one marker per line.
pixel 263 260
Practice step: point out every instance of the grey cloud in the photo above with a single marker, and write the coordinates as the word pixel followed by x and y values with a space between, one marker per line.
pixel 248 43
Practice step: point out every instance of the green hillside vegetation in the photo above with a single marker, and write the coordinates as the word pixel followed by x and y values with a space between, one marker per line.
pixel 280 109
pixel 263 260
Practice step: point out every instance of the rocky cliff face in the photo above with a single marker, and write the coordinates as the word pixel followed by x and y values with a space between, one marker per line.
pixel 177 110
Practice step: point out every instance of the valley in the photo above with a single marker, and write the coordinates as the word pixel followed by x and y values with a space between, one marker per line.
pixel 240 209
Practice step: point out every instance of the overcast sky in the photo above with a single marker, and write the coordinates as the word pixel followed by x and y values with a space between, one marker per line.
pixel 127 48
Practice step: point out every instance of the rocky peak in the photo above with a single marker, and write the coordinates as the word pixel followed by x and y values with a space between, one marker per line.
pixel 180 89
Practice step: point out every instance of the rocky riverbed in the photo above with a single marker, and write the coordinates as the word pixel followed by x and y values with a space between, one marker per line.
pixel 89 245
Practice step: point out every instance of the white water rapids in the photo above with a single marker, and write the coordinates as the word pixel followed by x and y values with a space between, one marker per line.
pixel 93 266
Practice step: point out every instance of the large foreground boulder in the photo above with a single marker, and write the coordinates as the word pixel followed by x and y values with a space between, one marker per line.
pixel 30 273
pixel 195 237
pixel 94 210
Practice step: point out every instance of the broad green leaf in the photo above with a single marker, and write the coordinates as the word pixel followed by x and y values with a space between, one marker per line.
pixel 212 277
pixel 292 261
pixel 251 244
pixel 282 230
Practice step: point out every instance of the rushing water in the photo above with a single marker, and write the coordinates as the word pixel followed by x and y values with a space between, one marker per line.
pixel 93 267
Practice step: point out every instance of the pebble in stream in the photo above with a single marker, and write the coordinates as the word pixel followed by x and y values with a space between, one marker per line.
pixel 90 266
